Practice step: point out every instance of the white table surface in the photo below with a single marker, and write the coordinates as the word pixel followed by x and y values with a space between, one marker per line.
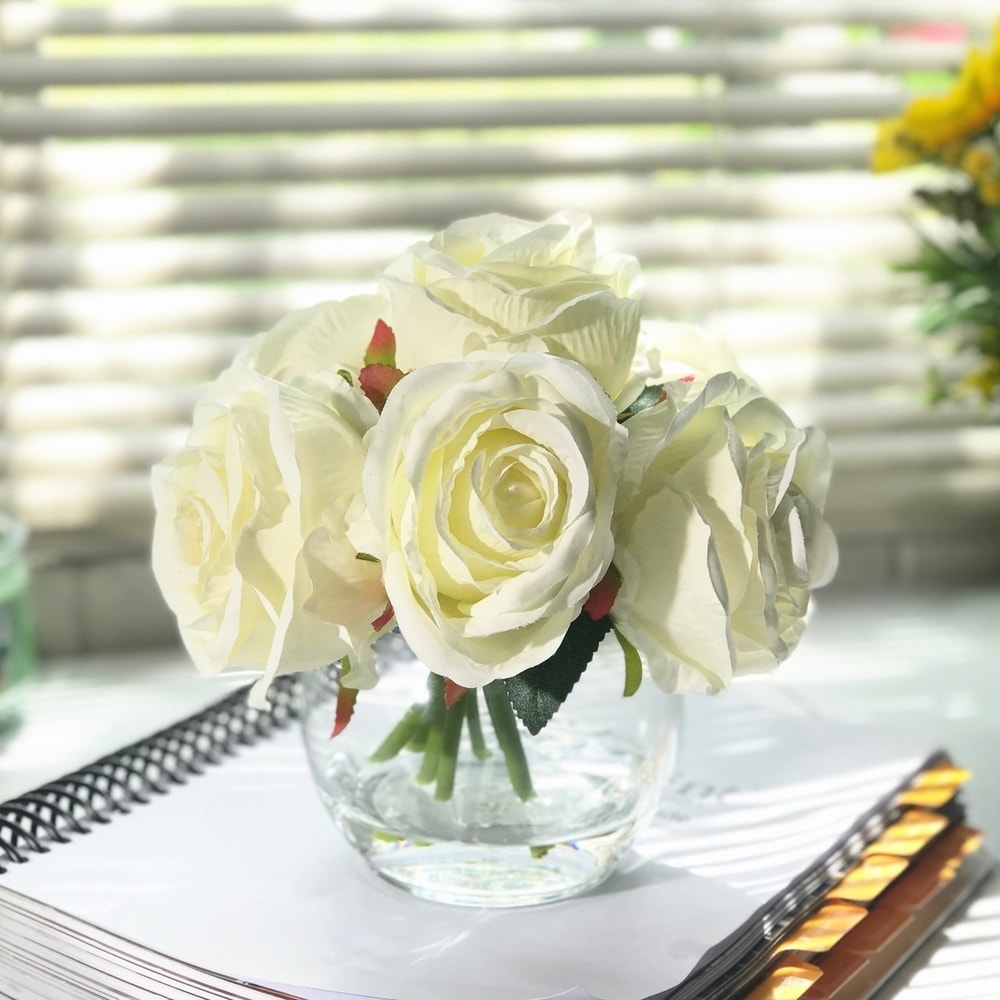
pixel 925 660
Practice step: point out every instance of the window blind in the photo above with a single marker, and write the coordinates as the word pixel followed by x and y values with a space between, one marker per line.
pixel 175 177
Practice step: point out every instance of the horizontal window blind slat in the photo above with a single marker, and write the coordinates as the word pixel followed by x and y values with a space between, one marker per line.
pixel 200 353
pixel 31 20
pixel 67 503
pixel 821 373
pixel 90 452
pixel 162 308
pixel 701 289
pixel 746 108
pixel 895 410
pixel 744 59
pixel 911 501
pixel 125 263
pixel 768 329
pixel 68 406
pixel 311 207
pixel 935 448
pixel 170 356
pixel 120 166
pixel 691 289
pixel 857 326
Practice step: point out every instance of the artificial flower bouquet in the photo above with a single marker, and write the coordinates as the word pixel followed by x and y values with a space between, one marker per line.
pixel 955 136
pixel 494 455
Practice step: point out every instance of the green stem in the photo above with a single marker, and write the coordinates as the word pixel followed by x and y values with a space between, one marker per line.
pixel 418 741
pixel 509 738
pixel 454 719
pixel 435 733
pixel 405 730
pixel 479 748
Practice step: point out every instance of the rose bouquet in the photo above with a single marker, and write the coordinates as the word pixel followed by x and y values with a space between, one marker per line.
pixel 496 457
pixel 956 135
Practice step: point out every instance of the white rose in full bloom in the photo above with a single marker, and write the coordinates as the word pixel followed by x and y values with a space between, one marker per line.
pixel 249 547
pixel 499 283
pixel 720 535
pixel 490 484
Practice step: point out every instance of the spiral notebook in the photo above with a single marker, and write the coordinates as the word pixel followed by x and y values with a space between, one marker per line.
pixel 791 857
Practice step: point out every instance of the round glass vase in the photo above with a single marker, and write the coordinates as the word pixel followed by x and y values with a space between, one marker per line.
pixel 594 774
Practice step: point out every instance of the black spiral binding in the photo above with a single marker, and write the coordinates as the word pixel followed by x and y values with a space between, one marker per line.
pixel 74 804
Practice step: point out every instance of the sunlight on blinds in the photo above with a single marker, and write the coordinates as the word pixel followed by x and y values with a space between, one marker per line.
pixel 175 177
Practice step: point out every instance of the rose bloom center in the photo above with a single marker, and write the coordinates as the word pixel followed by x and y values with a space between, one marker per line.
pixel 519 486
pixel 518 500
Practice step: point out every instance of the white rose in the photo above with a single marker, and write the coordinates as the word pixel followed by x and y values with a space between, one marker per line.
pixel 720 535
pixel 491 483
pixel 318 342
pixel 249 547
pixel 681 352
pixel 498 283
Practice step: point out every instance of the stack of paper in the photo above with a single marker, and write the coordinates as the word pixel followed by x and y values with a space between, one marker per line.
pixel 791 856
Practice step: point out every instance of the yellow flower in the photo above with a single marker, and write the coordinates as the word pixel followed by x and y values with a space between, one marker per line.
pixel 894 148
pixel 984 380
pixel 988 75
pixel 979 160
pixel 989 191
pixel 935 122
pixel 938 128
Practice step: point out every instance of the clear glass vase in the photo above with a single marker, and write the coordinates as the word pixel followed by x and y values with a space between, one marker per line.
pixel 596 771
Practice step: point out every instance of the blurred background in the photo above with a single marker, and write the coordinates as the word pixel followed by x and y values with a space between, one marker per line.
pixel 176 176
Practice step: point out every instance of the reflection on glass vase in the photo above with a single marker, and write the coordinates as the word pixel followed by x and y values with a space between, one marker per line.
pixel 451 813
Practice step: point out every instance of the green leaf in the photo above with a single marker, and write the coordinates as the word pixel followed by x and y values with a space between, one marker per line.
pixel 646 400
pixel 537 693
pixel 633 665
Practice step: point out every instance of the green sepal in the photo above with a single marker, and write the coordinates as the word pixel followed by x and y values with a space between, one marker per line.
pixel 536 693
pixel 344 711
pixel 633 665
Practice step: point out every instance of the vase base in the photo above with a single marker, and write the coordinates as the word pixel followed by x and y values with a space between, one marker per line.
pixel 490 829
pixel 491 875
pixel 485 846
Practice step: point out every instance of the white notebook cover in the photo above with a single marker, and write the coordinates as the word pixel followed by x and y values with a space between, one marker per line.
pixel 240 872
